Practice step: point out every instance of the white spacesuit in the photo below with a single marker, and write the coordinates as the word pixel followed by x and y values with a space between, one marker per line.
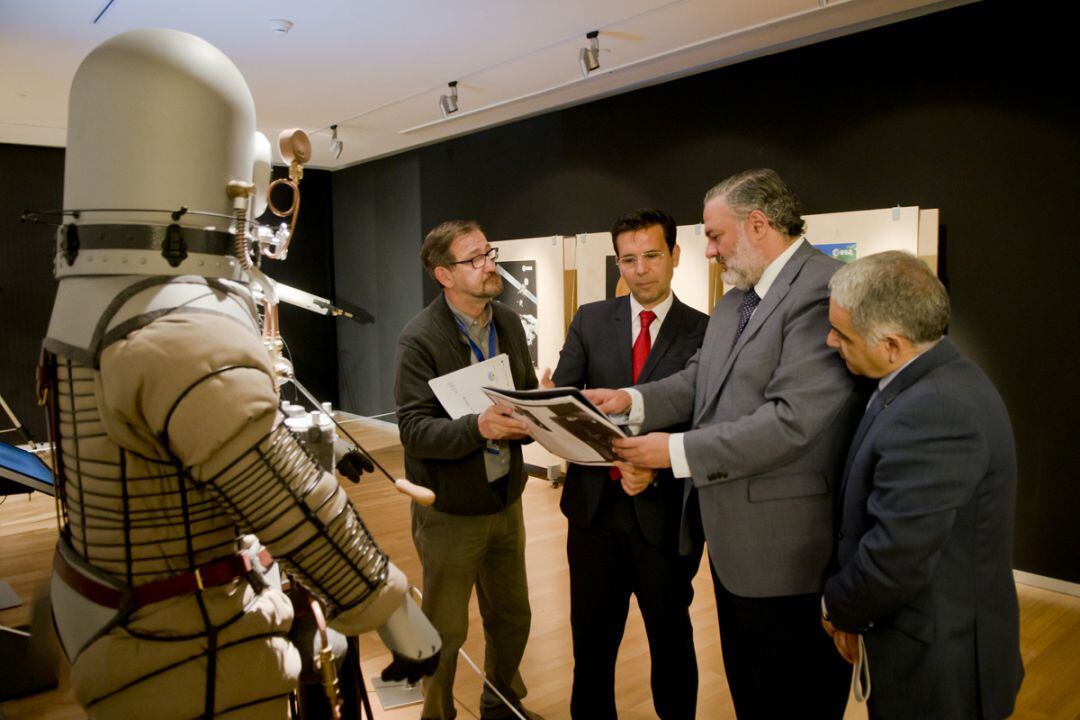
pixel 171 451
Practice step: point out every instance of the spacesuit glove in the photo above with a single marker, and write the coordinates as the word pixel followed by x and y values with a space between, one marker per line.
pixel 353 464
pixel 410 670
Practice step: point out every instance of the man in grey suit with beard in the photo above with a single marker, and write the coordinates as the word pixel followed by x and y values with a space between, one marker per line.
pixel 772 411
pixel 924 572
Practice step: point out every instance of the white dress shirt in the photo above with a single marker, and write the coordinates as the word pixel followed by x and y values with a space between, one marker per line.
pixel 661 309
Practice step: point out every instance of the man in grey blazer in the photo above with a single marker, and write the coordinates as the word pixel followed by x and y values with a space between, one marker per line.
pixel 924 572
pixel 772 411
pixel 474 535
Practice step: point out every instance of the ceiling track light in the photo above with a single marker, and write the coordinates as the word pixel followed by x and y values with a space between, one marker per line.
pixel 336 145
pixel 589 57
pixel 448 103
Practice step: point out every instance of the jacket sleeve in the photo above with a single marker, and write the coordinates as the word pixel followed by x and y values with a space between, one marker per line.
pixel 670 402
pixel 929 463
pixel 427 432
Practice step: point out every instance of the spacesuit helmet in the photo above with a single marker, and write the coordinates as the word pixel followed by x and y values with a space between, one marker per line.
pixel 164 171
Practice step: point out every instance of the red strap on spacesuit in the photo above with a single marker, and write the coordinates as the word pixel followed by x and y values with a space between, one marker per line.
pixel 212 574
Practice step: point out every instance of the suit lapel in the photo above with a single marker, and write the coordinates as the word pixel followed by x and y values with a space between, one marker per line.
pixel 623 355
pixel 936 356
pixel 449 329
pixel 508 340
pixel 716 352
pixel 669 330
pixel 776 294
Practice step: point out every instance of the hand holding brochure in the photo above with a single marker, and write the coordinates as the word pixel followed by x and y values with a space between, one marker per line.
pixel 564 422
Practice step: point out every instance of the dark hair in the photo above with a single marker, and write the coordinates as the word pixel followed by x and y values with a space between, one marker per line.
pixel 435 250
pixel 641 219
pixel 762 190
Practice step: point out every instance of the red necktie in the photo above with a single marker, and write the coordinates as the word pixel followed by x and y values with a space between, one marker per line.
pixel 642 346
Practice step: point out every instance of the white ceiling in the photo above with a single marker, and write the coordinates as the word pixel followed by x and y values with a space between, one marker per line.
pixel 377 67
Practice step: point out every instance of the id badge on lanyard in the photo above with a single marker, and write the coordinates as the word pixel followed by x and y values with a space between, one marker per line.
pixel 492 446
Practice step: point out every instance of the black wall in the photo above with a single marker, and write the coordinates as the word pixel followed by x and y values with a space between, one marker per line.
pixel 379 217
pixel 972 111
pixel 30 178
pixel 310 338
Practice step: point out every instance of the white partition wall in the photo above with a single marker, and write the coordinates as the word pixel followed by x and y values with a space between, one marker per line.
pixel 867 232
pixel 593 249
pixel 690 282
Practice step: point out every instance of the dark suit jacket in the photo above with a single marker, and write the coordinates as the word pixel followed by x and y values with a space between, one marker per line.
pixel 773 415
pixel 443 454
pixel 597 353
pixel 925 544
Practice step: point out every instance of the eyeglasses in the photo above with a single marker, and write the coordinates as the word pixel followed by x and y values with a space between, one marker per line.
pixel 479 260
pixel 628 262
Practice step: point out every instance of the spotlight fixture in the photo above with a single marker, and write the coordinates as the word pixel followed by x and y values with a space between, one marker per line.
pixel 589 58
pixel 448 103
pixel 280 26
pixel 335 144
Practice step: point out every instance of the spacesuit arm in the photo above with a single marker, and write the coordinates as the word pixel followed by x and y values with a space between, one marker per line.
pixel 204 388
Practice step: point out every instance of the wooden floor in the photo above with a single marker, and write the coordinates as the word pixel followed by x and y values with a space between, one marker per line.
pixel 1050 622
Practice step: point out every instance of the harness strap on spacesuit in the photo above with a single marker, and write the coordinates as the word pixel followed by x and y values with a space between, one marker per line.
pixel 47 397
pixel 212 574
pixel 105 333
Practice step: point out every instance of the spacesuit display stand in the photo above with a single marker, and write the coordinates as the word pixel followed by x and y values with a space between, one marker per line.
pixel 184 498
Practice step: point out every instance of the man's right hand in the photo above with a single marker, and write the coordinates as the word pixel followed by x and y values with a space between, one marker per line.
pixel 607 401
pixel 497 422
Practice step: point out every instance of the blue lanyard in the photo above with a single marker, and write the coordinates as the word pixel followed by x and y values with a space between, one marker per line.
pixel 476 348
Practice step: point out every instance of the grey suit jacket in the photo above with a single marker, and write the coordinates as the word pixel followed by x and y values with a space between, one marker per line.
pixel 443 454
pixel 772 417
pixel 925 550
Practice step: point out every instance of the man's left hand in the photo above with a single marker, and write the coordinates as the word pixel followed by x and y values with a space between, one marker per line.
pixel 847 644
pixel 647 451
pixel 634 479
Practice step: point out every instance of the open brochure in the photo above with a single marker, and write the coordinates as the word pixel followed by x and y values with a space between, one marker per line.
pixel 564 422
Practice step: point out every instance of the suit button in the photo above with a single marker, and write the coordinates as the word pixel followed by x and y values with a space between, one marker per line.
pixel 839 536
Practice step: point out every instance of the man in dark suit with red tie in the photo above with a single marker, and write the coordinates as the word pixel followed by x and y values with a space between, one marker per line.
pixel 623 535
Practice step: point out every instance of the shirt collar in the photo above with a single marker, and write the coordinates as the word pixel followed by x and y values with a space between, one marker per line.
pixel 761 287
pixel 483 322
pixel 661 308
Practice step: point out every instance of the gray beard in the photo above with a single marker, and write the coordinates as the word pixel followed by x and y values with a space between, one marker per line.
pixel 746 268
pixel 739 278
